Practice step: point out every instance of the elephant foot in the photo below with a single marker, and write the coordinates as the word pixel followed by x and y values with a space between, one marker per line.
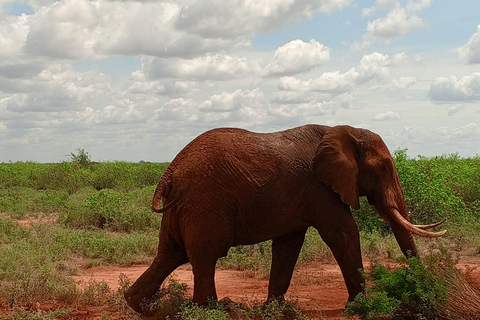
pixel 280 299
pixel 138 300
pixel 141 292
pixel 351 297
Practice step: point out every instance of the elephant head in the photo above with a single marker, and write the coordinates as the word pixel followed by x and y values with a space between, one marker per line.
pixel 356 162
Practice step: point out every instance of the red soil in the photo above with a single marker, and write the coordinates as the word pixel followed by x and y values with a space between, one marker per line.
pixel 318 289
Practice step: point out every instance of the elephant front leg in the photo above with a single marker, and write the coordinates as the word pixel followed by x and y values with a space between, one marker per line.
pixel 343 239
pixel 285 251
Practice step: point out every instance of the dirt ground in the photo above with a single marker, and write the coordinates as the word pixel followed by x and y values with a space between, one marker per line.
pixel 318 289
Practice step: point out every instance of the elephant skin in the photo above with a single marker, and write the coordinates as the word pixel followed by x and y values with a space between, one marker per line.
pixel 232 187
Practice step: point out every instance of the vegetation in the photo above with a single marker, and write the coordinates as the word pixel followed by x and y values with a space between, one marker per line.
pixel 55 218
pixel 172 303
pixel 432 289
pixel 407 292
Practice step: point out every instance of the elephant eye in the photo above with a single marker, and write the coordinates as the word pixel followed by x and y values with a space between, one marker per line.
pixel 384 167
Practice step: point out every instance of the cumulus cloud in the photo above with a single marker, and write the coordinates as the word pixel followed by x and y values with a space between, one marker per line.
pixel 217 19
pixel 62 30
pixel 207 67
pixel 57 88
pixel 372 66
pixel 241 107
pixel 78 29
pixel 158 74
pixel 398 21
pixel 13 34
pixel 403 82
pixel 448 89
pixel 471 50
pixel 298 56
pixel 469 131
pixel 140 85
pixel 386 116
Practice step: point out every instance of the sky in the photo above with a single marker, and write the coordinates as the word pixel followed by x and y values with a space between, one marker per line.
pixel 137 80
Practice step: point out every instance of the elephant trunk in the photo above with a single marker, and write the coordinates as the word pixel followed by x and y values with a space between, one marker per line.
pixel 396 213
pixel 405 240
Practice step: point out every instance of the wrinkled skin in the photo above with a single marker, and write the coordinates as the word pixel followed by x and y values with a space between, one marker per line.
pixel 232 187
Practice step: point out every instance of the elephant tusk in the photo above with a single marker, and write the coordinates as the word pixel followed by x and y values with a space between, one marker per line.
pixel 429 226
pixel 414 229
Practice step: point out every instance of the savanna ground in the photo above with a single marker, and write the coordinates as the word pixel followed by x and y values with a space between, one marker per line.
pixel 74 235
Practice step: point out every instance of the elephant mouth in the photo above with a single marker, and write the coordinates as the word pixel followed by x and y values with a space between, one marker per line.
pixel 420 230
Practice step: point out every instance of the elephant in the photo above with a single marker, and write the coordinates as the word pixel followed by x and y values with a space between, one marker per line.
pixel 231 187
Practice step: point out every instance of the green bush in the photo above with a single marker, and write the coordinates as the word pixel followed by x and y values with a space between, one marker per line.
pixel 73 176
pixel 109 209
pixel 415 291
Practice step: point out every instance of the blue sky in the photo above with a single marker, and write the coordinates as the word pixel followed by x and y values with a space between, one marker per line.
pixel 138 80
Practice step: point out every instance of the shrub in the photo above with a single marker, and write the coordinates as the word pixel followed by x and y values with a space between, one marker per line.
pixel 81 157
pixel 414 291
pixel 194 312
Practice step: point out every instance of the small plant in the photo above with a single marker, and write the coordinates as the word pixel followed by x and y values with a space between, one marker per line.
pixel 168 301
pixel 24 314
pixel 276 309
pixel 191 311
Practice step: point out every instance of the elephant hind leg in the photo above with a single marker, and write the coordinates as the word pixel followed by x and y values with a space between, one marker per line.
pixel 170 256
pixel 285 251
pixel 205 245
pixel 204 282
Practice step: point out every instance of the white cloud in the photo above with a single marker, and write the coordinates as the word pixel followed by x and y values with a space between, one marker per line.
pixel 208 67
pixel 242 107
pixel 398 22
pixel 58 88
pixel 167 87
pixel 469 131
pixel 404 82
pixel 455 109
pixel 63 30
pixel 447 89
pixel 217 19
pixel 372 66
pixel 78 29
pixel 386 116
pixel 298 56
pixel 471 50
pixel 13 33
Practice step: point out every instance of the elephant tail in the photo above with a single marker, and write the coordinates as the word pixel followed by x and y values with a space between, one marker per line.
pixel 161 192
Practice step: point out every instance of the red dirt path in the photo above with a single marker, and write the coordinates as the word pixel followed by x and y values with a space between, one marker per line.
pixel 318 288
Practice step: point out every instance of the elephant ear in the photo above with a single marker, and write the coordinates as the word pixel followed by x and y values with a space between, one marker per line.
pixel 335 163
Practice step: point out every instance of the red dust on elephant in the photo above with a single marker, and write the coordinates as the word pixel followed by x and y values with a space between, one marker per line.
pixel 231 187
